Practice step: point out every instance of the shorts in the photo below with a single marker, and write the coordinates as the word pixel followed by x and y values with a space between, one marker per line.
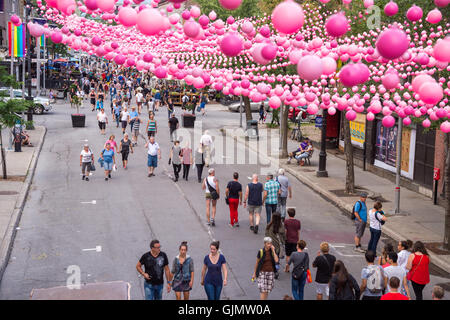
pixel 125 155
pixel 265 281
pixel 254 209
pixel 102 125
pixel 107 166
pixel 152 161
pixel 86 166
pixel 124 124
pixel 290 247
pixel 322 288
pixel 208 195
pixel 150 134
pixel 360 228
pixel 136 132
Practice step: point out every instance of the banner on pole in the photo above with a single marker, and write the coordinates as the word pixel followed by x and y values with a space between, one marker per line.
pixel 16 40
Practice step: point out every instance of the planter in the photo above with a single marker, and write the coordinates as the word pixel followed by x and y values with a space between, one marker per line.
pixel 188 120
pixel 78 120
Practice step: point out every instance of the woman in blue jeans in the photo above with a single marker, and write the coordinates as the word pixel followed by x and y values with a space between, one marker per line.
pixel 300 260
pixel 376 216
pixel 213 265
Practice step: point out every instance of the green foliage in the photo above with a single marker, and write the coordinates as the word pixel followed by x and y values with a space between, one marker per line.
pixel 248 8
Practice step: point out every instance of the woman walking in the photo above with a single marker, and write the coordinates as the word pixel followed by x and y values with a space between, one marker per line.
pixel 275 229
pixel 102 119
pixel 376 220
pixel 124 149
pixel 266 261
pixel 419 274
pixel 125 119
pixel 199 162
pixel 112 143
pixel 86 160
pixel 214 265
pixel 92 95
pixel 300 260
pixel 343 285
pixel 116 108
pixel 186 152
pixel 152 127
pixel 175 158
pixel 183 273
pixel 108 160
pixel 211 186
pixel 100 97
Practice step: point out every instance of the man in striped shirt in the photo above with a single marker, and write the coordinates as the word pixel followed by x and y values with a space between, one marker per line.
pixel 270 199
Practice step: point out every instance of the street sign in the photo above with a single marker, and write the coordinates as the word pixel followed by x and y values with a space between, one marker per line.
pixel 319 121
pixel 436 174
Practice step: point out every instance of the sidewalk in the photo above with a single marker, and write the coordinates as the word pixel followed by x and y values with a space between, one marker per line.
pixel 419 218
pixel 13 191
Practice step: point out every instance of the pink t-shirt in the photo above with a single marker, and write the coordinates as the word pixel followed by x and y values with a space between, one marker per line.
pixel 113 144
pixel 187 155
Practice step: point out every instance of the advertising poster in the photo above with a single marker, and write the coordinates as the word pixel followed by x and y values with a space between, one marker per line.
pixel 381 143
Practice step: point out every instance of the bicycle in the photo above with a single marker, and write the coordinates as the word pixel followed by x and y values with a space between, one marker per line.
pixel 297 134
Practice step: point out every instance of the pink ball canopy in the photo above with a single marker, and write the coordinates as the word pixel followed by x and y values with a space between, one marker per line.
pixel 310 67
pixel 288 17
pixel 431 93
pixel 230 4
pixel 392 43
pixel 128 16
pixel 231 45
pixel 337 25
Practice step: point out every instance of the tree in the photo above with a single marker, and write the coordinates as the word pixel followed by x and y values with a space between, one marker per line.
pixel 9 110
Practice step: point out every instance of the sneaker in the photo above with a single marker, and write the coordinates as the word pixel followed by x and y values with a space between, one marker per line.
pixel 359 249
pixel 87 179
pixel 199 180
pixel 230 225
pixel 276 275
pixel 109 175
pixel 149 175
pixel 251 228
pixel 213 223
pixel 106 179
pixel 255 229
pixel 82 178
pixel 237 224
pixel 208 223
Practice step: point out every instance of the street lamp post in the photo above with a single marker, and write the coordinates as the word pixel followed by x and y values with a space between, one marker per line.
pixel 322 172
pixel 30 125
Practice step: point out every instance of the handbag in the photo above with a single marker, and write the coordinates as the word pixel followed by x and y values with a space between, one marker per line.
pixel 214 194
pixel 308 276
pixel 410 273
pixel 92 166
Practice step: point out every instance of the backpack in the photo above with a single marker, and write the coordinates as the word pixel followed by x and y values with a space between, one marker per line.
pixel 298 271
pixel 375 280
pixel 352 216
pixel 376 217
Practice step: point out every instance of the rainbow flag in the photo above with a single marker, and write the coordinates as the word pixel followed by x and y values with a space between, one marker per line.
pixel 40 41
pixel 16 47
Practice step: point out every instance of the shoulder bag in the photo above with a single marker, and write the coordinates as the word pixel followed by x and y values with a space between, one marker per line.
pixel 213 192
pixel 410 273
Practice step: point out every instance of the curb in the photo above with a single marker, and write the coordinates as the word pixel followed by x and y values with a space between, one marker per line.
pixel 6 247
pixel 347 208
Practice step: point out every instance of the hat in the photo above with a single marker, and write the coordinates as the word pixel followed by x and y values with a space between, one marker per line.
pixel 363 194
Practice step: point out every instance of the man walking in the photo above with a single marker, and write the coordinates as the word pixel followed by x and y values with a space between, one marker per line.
pixel 253 195
pixel 233 193
pixel 173 125
pixel 286 189
pixel 206 141
pixel 154 152
pixel 360 212
pixel 270 199
pixel 155 263
pixel 372 279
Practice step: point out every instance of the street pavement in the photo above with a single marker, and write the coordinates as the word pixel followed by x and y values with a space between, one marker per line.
pixel 60 224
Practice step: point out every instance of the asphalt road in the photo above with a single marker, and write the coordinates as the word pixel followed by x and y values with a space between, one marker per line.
pixel 60 221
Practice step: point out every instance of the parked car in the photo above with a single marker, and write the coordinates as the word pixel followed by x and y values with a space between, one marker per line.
pixel 254 106
pixel 41 104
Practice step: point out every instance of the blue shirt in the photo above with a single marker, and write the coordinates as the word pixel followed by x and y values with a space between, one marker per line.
pixel 214 273
pixel 108 155
pixel 157 95
pixel 133 114
pixel 362 210
pixel 117 110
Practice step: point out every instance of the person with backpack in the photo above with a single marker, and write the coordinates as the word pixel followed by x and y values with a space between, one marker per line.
pixel 212 193
pixel 324 263
pixel 300 260
pixel 372 276
pixel 265 268
pixel 359 215
pixel 343 285
pixel 376 220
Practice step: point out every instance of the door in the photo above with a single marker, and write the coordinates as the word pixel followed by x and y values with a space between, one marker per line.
pixel 424 157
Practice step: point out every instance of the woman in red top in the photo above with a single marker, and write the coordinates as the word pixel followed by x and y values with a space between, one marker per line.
pixel 417 265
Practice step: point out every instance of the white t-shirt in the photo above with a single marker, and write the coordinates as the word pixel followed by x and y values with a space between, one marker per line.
pixel 153 149
pixel 125 115
pixel 206 140
pixel 139 97
pixel 212 183
pixel 374 223
pixel 102 117
pixel 402 259
pixel 129 83
pixel 86 156
pixel 395 271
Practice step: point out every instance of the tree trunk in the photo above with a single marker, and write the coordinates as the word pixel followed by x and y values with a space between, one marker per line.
pixel 348 149
pixel 447 193
pixel 247 108
pixel 3 155
pixel 284 131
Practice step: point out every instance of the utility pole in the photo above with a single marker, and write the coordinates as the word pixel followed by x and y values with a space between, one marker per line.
pixel 398 165
pixel 240 112
pixel 30 125
pixel 322 171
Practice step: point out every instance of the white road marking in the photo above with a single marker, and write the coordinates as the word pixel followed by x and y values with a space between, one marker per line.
pixel 343 245
pixel 97 249
pixel 90 202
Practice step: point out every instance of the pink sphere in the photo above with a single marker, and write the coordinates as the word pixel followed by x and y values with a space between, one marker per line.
pixel 391 9
pixel 247 27
pixel 329 65
pixel 91 4
pixel 106 5
pixel 56 37
pixel 388 121
pixel 148 57
pixel 269 52
pixel 390 80
pixel 67 7
pixel 119 59
pixel 350 115
pixel 348 75
pixel 149 22
pixel 337 25
pixel 434 16
pixel 441 50
pixel 445 126
pixel 127 16
pixel 191 28
pixel 392 43
pixel 441 3
pixel 161 72
pixel 230 4
pixel 419 81
pixel 274 102
pixel 426 123
pixel 231 45
pixel 310 67
pixel 414 13
pixel 96 41
pixel 431 93
pixel 288 17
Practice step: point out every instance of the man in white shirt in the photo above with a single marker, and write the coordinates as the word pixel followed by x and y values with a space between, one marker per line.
pixel 206 142
pixel 154 152
pixel 394 270
pixel 139 98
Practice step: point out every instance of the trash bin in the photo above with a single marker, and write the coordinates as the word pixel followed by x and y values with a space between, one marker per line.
pixel 252 130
